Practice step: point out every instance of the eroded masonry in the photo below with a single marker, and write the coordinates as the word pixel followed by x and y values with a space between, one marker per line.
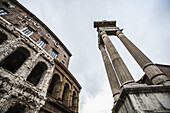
pixel 34 75
pixel 151 94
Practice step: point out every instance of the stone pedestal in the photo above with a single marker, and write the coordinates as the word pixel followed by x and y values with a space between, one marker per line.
pixel 142 98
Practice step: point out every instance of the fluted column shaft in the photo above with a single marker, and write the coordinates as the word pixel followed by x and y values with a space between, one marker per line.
pixel 120 67
pixel 114 84
pixel 151 70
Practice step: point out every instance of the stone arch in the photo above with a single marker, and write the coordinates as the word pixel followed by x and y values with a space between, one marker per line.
pixel 17 108
pixel 12 105
pixel 55 85
pixel 11 46
pixel 66 94
pixel 14 61
pixel 37 72
pixel 3 37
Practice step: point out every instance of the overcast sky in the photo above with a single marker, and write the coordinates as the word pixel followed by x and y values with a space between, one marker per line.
pixel 145 22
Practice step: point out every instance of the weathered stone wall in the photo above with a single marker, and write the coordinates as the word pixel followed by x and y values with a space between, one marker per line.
pixel 142 98
pixel 14 86
pixel 55 96
pixel 21 18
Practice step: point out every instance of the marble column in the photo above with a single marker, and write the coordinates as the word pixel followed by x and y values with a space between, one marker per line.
pixel 114 84
pixel 122 71
pixel 151 70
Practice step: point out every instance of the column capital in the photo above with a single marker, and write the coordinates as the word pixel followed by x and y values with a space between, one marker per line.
pixel 100 36
pixel 102 32
pixel 119 31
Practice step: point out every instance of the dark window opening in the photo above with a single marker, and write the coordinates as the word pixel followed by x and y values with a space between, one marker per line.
pixel 7 5
pixel 36 25
pixel 54 53
pixel 23 21
pixel 27 31
pixel 27 18
pixel 3 37
pixel 14 61
pixel 16 25
pixel 54 88
pixel 36 73
pixel 62 62
pixel 64 56
pixel 47 35
pixel 17 108
pixel 57 45
pixel 3 11
pixel 42 42
pixel 65 97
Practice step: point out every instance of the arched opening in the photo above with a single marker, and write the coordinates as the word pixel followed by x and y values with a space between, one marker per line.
pixel 14 61
pixel 54 87
pixel 36 73
pixel 17 108
pixel 74 102
pixel 3 37
pixel 65 97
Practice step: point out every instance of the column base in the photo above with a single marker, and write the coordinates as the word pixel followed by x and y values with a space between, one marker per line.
pixel 116 97
pixel 155 74
pixel 142 98
pixel 127 82
pixel 166 83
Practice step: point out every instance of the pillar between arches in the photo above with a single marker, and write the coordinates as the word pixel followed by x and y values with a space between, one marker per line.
pixel 57 90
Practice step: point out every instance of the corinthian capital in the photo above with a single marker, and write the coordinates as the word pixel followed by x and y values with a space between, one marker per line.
pixel 119 31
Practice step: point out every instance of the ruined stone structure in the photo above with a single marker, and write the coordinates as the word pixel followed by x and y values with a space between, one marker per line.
pixel 151 94
pixel 34 75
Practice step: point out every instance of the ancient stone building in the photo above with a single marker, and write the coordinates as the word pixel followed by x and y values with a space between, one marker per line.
pixel 34 75
pixel 151 94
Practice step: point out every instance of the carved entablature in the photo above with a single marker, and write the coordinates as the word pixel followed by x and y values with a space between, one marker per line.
pixel 106 26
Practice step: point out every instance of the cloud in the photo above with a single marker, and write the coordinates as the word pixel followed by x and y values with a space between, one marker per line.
pixel 101 103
